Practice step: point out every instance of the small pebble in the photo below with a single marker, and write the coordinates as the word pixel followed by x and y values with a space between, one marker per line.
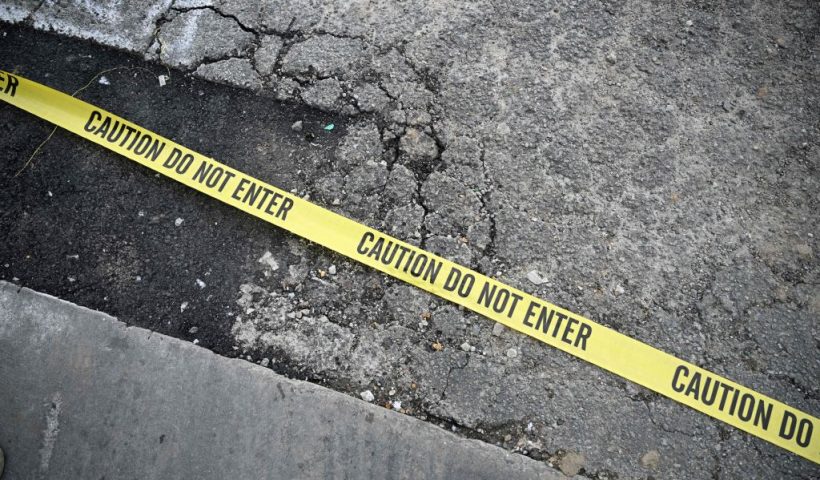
pixel 651 459
pixel 297 126
pixel 571 463
pixel 331 269
pixel 611 58
pixel 465 346
pixel 265 362
pixel 182 308
pixel 178 222
pixel 267 259
pixel 200 283
pixel 367 396
pixel 536 278
pixel 512 353
pixel 498 329
pixel 104 81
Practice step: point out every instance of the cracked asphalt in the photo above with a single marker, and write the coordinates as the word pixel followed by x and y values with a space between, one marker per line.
pixel 652 167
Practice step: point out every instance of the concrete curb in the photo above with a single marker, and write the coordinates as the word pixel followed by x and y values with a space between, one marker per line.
pixel 82 395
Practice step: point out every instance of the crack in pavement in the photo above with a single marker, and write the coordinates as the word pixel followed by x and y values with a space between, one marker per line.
pixel 606 178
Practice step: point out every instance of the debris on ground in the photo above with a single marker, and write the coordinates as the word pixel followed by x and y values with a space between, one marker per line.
pixel 536 278
pixel 651 459
pixel 267 259
pixel 571 463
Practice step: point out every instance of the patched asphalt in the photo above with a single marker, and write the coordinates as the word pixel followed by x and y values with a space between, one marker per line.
pixel 88 226
pixel 652 168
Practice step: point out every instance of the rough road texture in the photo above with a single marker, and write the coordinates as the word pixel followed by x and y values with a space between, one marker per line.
pixel 656 166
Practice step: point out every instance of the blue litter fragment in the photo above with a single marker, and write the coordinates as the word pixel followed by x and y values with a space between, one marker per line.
pixel 329 127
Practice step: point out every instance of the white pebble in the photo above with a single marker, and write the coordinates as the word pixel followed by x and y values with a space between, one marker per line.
pixel 267 259
pixel 536 277
pixel 178 222
pixel 200 283
pixel 367 396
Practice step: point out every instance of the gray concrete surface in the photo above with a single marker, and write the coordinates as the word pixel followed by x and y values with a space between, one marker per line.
pixel 83 395
pixel 657 163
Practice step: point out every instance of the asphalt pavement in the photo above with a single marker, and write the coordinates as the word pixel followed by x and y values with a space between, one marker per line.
pixel 652 167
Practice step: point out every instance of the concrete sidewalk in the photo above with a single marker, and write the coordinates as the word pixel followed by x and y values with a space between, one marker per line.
pixel 84 396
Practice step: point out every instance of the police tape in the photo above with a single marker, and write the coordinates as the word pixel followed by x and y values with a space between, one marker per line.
pixel 633 360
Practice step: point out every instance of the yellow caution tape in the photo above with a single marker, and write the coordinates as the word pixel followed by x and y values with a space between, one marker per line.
pixel 638 362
